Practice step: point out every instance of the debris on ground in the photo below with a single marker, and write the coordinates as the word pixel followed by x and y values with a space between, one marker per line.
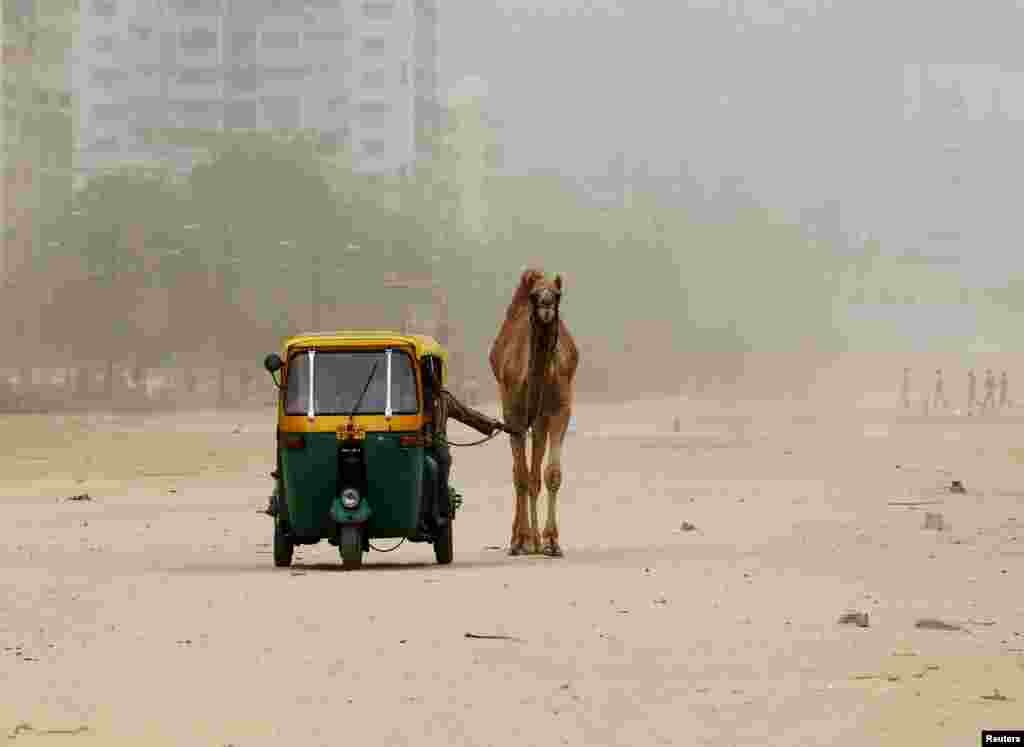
pixel 687 527
pixel 860 619
pixel 996 695
pixel 957 486
pixel 935 521
pixel 912 503
pixel 82 497
pixel 26 728
pixel 489 637
pixel 931 623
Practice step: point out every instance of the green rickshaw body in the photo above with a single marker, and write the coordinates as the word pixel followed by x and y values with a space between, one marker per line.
pixel 394 491
pixel 353 445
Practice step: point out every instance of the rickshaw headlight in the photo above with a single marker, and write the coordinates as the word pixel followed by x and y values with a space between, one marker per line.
pixel 350 498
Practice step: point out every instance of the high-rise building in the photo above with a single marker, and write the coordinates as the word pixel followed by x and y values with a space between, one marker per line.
pixel 362 74
pixel 37 135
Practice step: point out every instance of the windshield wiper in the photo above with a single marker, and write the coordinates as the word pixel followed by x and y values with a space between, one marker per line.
pixel 366 386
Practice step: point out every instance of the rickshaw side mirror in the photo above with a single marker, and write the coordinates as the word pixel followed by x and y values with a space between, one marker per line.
pixel 273 364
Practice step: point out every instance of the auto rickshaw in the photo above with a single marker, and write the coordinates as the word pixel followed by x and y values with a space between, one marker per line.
pixel 358 455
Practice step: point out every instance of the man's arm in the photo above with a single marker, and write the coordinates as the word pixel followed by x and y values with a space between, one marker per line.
pixel 473 418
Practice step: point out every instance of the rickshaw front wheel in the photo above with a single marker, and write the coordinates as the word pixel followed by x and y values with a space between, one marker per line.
pixel 283 547
pixel 350 545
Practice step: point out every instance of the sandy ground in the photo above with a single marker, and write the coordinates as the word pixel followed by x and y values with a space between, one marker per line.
pixel 153 615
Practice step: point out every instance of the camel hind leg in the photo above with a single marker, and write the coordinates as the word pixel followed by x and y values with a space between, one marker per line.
pixel 539 437
pixel 558 425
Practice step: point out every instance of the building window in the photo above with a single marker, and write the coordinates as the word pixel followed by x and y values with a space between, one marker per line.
pixel 375 147
pixel 104 43
pixel 106 144
pixel 198 7
pixel 287 74
pixel 375 78
pixel 242 41
pixel 334 139
pixel 374 45
pixel 105 77
pixel 280 39
pixel 198 40
pixel 374 113
pixel 150 112
pixel 426 8
pixel 108 112
pixel 203 114
pixel 243 114
pixel 378 11
pixel 332 37
pixel 281 112
pixel 104 8
pixel 198 76
pixel 283 7
pixel 374 107
pixel 249 78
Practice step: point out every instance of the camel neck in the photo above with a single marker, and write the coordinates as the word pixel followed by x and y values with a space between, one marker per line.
pixel 542 339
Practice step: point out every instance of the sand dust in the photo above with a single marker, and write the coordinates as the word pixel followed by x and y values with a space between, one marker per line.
pixel 152 614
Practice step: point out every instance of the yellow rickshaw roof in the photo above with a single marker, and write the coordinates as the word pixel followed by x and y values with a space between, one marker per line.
pixel 424 345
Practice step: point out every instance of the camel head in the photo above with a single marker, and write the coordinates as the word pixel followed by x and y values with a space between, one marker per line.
pixel 544 295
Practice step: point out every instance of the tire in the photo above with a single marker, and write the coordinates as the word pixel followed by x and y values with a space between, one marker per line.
pixel 284 548
pixel 444 544
pixel 350 545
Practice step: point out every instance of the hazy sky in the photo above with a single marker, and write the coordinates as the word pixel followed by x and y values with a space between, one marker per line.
pixel 806 100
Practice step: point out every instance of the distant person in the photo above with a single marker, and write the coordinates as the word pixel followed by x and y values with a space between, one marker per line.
pixel 939 399
pixel 905 389
pixel 972 390
pixel 1004 390
pixel 990 390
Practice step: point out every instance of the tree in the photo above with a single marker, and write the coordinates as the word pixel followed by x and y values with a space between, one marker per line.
pixel 264 218
pixel 111 249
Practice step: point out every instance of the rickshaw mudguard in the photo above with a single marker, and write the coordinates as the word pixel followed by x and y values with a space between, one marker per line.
pixel 394 476
pixel 310 476
pixel 358 515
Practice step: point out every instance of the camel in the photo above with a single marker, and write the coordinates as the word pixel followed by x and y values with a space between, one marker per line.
pixel 534 361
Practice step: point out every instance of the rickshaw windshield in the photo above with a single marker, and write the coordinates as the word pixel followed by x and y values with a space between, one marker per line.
pixel 339 377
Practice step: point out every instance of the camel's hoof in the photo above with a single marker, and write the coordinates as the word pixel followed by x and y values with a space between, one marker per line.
pixel 553 551
pixel 516 550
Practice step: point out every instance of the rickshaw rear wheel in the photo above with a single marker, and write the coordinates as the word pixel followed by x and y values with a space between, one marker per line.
pixel 444 545
pixel 350 545
pixel 284 548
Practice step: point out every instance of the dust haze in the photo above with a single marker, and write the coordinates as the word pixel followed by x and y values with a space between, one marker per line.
pixel 788 237
pixel 736 186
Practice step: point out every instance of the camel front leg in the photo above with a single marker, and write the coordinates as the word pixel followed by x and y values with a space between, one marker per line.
pixel 553 481
pixel 537 448
pixel 520 478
